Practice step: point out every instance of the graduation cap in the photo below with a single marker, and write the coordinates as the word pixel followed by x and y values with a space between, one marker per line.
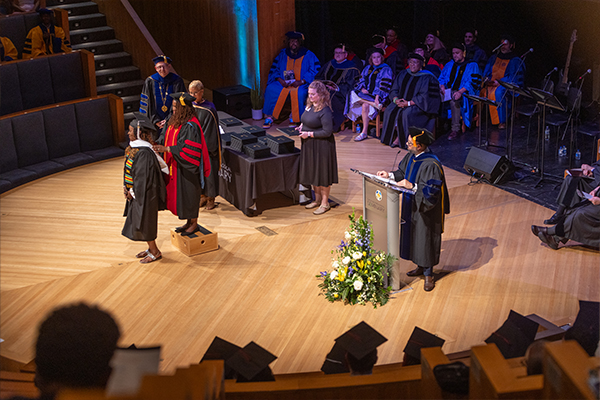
pixel 419 339
pixel 162 58
pixel 45 11
pixel 377 39
pixel 359 341
pixel 294 35
pixel 184 98
pixel 514 336
pixel 143 122
pixel 458 45
pixel 252 363
pixel 421 135
pixel 374 50
pixel 416 57
pixel 221 349
pixel 585 329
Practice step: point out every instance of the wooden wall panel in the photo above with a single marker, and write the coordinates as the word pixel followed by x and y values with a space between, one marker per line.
pixel 200 35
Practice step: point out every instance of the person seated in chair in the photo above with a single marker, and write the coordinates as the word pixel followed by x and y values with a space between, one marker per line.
pixel 580 223
pixel 8 51
pixel 371 91
pixel 344 74
pixel 416 100
pixel 294 68
pixel 46 38
pixel 474 52
pixel 459 76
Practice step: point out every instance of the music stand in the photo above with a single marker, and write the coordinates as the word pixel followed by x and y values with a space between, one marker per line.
pixel 514 89
pixel 486 101
pixel 546 99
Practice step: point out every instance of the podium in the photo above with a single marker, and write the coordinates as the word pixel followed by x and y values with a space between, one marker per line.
pixel 381 208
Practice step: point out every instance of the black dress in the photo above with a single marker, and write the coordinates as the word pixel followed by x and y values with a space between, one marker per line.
pixel 318 160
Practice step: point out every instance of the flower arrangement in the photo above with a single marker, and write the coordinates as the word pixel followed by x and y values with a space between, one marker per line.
pixel 359 273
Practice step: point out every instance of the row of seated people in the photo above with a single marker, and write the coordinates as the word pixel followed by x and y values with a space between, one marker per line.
pixel 397 79
pixel 76 343
pixel 44 39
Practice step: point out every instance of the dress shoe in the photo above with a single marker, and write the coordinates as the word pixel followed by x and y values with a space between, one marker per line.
pixel 395 143
pixel 550 240
pixel 453 135
pixel 313 204
pixel 537 229
pixel 501 126
pixel 186 233
pixel 321 210
pixel 429 284
pixel 203 200
pixel 182 228
pixel 415 272
pixel 554 219
pixel 210 203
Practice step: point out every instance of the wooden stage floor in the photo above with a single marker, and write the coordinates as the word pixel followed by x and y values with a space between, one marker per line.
pixel 61 243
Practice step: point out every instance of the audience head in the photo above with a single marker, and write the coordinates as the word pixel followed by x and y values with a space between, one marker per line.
pixel 458 52
pixel 423 52
pixel 162 65
pixel 433 42
pixel 360 344
pixel 196 89
pixel 534 357
pixel 391 35
pixel 375 56
pixel 74 347
pixel 318 95
pixel 514 336
pixel 294 41
pixel 46 15
pixel 508 43
pixel 378 41
pixel 419 138
pixel 362 366
pixel 340 53
pixel 470 36
pixel 415 62
pixel 141 128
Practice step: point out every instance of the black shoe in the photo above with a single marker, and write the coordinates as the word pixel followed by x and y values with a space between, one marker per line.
pixel 537 229
pixel 555 219
pixel 415 272
pixel 185 233
pixel 180 229
pixel 550 240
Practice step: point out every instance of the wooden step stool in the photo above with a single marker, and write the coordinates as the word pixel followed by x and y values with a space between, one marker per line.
pixel 198 243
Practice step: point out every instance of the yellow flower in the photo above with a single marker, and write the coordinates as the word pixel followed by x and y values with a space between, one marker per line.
pixel 364 253
pixel 360 264
pixel 368 262
pixel 336 295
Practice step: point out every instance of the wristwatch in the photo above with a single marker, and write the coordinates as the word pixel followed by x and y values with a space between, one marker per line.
pixel 409 103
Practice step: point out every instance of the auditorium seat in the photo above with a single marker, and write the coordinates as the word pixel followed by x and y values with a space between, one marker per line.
pixel 17 26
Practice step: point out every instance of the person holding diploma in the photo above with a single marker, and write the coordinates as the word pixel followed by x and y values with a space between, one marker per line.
pixel 422 212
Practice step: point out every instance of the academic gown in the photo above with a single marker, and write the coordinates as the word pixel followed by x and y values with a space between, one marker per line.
pixel 582 224
pixel 150 195
pixel 209 122
pixel 155 95
pixel 345 75
pixel 188 167
pixel 568 197
pixel 423 212
pixel 506 68
pixel 36 46
pixel 455 77
pixel 423 90
pixel 8 51
pixel 305 65
pixel 377 80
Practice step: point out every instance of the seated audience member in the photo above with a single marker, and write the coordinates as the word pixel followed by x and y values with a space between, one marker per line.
pixel 416 100
pixel 436 48
pixel 505 66
pixel 360 64
pixel 206 113
pixel 371 91
pixel 8 51
pixel 355 351
pixel 580 223
pixel 144 188
pixel 571 186
pixel 46 38
pixel 344 74
pixel 474 52
pixel 419 339
pixel 534 357
pixel 430 64
pixel 155 102
pixel 395 45
pixel 74 347
pixel 459 76
pixel 394 60
pixel 294 68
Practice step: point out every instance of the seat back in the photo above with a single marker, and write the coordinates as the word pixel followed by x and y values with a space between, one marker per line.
pixel 17 26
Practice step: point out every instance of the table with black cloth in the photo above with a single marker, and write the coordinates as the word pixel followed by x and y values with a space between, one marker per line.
pixel 242 179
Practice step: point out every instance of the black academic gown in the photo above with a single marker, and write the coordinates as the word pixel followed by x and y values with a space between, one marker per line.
pixel 345 75
pixel 209 122
pixel 423 213
pixel 423 91
pixel 568 197
pixel 150 197
pixel 582 224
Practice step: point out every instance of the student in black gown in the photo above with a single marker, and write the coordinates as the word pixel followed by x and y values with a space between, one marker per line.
pixel 144 189
pixel 318 160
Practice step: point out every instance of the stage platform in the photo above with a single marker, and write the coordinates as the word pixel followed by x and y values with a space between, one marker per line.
pixel 61 243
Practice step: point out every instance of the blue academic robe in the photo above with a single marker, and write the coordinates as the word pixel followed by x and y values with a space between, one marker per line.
pixel 470 79
pixel 514 72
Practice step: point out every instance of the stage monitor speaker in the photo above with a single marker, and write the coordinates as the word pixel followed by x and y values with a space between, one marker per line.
pixel 483 164
pixel 234 100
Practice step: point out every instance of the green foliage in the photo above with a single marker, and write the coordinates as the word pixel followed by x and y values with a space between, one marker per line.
pixel 358 271
pixel 256 98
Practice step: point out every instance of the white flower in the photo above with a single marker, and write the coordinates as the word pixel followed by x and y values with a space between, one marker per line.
pixel 347 235
pixel 346 260
pixel 357 255
pixel 358 285
pixel 336 264
pixel 333 274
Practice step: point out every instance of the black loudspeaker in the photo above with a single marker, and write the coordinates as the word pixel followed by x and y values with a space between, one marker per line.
pixel 486 165
pixel 234 100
